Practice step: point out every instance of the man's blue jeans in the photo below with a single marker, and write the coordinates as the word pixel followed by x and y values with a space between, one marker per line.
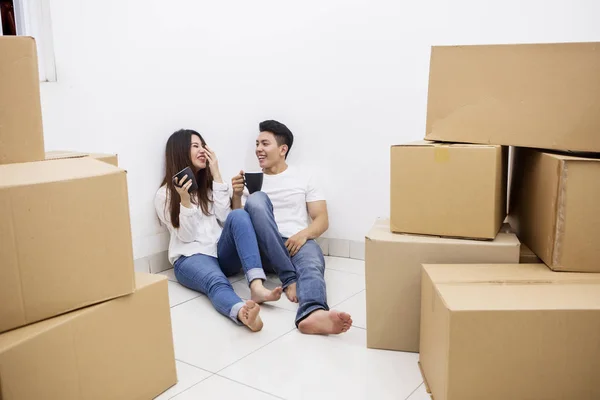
pixel 307 267
pixel 237 249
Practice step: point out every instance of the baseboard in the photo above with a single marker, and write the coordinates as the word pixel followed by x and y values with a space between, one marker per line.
pixel 343 248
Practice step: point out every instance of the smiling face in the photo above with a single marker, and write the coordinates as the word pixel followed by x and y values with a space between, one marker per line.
pixel 197 153
pixel 268 151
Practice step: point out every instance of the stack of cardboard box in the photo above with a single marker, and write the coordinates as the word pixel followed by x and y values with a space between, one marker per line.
pixel 76 322
pixel 448 205
pixel 499 330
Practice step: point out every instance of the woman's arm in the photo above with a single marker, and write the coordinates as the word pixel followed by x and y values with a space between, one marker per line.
pixel 222 202
pixel 190 219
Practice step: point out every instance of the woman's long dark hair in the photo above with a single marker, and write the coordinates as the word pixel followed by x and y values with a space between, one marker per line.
pixel 177 157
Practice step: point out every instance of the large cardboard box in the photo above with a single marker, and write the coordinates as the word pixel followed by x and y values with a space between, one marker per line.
pixel 393 278
pixel 66 238
pixel 119 349
pixel 21 134
pixel 554 207
pixel 61 154
pixel 531 95
pixel 509 332
pixel 448 190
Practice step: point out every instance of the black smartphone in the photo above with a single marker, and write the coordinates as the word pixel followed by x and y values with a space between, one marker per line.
pixel 187 171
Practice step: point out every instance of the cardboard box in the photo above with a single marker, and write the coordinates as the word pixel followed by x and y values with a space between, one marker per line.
pixel 119 349
pixel 21 134
pixel 61 154
pixel 531 95
pixel 453 190
pixel 554 208
pixel 393 278
pixel 66 238
pixel 509 332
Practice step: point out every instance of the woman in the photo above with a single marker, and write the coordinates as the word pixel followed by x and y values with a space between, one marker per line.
pixel 202 252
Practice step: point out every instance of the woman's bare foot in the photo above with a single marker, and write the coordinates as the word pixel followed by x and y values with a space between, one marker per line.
pixel 248 315
pixel 323 322
pixel 290 292
pixel 260 294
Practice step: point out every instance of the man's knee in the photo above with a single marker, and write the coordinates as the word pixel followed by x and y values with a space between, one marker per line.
pixel 310 258
pixel 257 202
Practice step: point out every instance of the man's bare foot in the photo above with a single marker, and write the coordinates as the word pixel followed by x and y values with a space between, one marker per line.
pixel 323 322
pixel 260 294
pixel 290 292
pixel 248 315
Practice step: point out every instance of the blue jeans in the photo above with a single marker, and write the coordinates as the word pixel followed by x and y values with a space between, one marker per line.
pixel 307 267
pixel 237 249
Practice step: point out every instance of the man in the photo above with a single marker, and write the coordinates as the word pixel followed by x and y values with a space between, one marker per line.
pixel 286 238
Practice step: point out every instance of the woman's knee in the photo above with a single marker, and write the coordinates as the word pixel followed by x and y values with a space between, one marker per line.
pixel 217 283
pixel 257 201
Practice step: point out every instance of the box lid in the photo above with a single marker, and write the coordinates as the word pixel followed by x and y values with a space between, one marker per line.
pixel 503 274
pixel 381 232
pixel 524 296
pixel 430 143
pixel 23 174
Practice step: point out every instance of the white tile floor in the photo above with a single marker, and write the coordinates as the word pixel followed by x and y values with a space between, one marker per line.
pixel 219 360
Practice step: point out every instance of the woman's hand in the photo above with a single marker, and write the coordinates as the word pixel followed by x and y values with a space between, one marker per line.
pixel 213 164
pixel 182 188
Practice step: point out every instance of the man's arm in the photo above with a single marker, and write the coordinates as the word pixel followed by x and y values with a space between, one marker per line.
pixel 236 202
pixel 320 223
pixel 320 219
pixel 237 183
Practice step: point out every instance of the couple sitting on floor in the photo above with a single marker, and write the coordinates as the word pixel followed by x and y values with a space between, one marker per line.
pixel 217 230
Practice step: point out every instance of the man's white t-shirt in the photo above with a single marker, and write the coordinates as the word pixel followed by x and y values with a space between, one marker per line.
pixel 289 192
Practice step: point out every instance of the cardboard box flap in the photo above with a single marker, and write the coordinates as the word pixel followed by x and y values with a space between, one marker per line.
pixel 503 274
pixel 573 157
pixel 385 235
pixel 59 170
pixel 143 280
pixel 431 143
pixel 61 154
pixel 524 296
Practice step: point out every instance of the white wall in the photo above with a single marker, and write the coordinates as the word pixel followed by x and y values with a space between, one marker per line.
pixel 348 77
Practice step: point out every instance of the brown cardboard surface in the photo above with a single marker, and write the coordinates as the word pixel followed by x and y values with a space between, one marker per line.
pixel 119 349
pixel 531 95
pixel 554 208
pixel 60 154
pixel 21 134
pixel 66 238
pixel 393 278
pixel 515 332
pixel 448 190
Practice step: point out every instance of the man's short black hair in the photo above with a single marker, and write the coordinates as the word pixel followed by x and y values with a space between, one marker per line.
pixel 281 132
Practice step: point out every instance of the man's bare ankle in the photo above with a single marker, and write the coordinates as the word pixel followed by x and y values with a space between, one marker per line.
pixel 256 284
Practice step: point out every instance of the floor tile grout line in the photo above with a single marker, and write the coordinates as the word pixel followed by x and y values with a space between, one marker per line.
pixel 195 366
pixel 251 387
pixel 414 391
pixel 187 301
pixel 346 272
pixel 354 295
pixel 195 384
pixel 260 348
